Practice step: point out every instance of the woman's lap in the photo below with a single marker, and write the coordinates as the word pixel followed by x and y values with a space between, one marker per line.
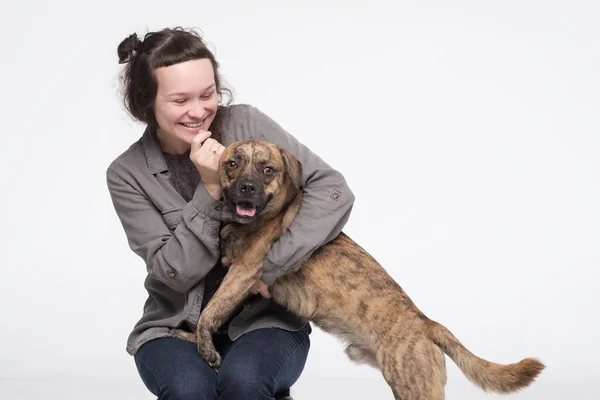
pixel 257 365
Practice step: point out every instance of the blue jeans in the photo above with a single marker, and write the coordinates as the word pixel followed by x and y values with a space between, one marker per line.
pixel 258 365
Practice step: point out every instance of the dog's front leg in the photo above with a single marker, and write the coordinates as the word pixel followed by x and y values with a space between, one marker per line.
pixel 231 293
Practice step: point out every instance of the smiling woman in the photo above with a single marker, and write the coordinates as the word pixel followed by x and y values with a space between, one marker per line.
pixel 186 103
pixel 166 192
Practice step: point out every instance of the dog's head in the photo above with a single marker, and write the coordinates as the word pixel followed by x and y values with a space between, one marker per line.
pixel 258 179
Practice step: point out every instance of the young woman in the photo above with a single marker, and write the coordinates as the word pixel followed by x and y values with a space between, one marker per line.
pixel 165 191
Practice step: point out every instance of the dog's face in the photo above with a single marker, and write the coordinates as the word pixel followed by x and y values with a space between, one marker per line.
pixel 258 179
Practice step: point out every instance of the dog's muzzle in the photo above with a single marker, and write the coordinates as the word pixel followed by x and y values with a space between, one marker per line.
pixel 248 196
pixel 247 187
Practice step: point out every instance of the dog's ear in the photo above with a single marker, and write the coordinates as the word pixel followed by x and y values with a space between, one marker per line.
pixel 293 167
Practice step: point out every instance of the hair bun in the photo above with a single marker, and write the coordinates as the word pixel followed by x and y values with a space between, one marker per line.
pixel 128 48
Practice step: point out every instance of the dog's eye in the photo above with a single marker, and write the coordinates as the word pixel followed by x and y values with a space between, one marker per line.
pixel 232 165
pixel 268 171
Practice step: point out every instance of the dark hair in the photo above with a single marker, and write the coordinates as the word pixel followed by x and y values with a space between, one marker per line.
pixel 159 49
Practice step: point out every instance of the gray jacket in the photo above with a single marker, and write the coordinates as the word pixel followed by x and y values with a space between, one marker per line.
pixel 179 241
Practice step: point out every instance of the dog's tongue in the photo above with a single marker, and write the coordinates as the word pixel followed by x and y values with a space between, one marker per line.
pixel 247 211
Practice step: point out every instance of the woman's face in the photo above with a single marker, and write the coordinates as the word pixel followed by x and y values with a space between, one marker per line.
pixel 186 103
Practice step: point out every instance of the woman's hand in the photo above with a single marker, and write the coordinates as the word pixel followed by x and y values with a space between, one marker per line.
pixel 205 153
pixel 262 288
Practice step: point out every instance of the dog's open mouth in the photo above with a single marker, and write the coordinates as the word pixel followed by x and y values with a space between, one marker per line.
pixel 245 209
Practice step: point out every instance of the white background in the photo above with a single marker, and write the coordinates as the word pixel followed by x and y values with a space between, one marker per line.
pixel 468 131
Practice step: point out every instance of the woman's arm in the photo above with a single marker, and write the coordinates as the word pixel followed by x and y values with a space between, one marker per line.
pixel 326 205
pixel 179 258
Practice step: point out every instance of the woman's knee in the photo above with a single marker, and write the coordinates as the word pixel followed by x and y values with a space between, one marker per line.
pixel 182 385
pixel 192 389
pixel 172 371
pixel 245 383
pixel 255 371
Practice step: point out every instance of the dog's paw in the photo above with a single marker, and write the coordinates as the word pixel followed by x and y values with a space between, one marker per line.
pixel 210 355
pixel 206 349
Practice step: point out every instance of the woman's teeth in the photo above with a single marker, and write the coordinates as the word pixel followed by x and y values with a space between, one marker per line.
pixel 192 125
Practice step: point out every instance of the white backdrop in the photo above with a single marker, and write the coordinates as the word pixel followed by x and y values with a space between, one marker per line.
pixel 468 132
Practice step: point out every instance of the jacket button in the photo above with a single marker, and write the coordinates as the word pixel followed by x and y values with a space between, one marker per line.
pixel 216 232
pixel 172 273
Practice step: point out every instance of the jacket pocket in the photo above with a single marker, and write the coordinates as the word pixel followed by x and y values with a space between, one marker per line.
pixel 172 218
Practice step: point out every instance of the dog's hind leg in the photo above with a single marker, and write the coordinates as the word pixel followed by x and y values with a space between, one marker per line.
pixel 415 370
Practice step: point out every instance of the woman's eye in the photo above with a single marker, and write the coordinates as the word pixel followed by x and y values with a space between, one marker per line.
pixel 268 171
pixel 207 96
pixel 180 101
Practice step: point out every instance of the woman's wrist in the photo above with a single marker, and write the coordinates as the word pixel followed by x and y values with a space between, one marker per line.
pixel 214 190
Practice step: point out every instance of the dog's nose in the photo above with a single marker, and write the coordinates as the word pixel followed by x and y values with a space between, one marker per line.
pixel 248 188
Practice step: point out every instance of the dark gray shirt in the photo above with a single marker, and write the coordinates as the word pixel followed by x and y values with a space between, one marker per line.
pixel 178 239
pixel 183 174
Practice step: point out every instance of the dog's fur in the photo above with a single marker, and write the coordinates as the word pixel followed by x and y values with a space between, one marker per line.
pixel 340 288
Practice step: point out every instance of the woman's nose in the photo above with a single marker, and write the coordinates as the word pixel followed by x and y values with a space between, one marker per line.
pixel 196 109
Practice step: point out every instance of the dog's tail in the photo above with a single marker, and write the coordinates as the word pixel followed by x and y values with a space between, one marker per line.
pixel 489 376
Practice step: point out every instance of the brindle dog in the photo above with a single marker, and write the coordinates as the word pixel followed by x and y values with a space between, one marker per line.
pixel 341 288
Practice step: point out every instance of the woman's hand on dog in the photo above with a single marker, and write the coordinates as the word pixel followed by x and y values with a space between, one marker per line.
pixel 262 288
pixel 258 287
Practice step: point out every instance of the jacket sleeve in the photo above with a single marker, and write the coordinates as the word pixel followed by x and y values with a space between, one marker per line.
pixel 325 209
pixel 179 258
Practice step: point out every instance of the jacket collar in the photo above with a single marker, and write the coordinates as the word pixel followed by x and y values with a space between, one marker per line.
pixel 152 151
